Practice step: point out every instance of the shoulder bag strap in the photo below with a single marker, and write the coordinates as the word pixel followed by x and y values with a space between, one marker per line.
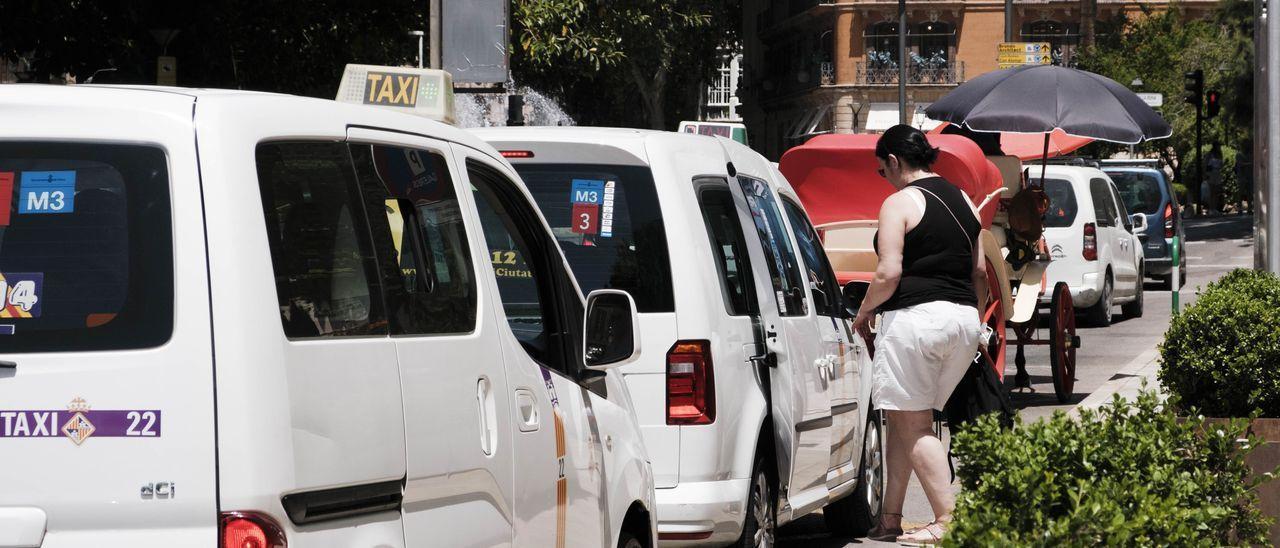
pixel 952 213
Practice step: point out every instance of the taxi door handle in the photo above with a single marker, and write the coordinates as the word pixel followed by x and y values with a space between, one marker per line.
pixel 488 422
pixel 527 406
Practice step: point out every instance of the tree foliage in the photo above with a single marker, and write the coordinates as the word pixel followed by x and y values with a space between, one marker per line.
pixel 600 56
pixel 1159 47
pixel 290 46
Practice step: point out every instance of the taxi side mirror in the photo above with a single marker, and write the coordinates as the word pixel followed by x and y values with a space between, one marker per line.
pixel 611 330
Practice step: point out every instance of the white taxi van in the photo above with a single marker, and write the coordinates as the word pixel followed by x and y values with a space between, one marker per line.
pixel 1095 245
pixel 253 320
pixel 749 387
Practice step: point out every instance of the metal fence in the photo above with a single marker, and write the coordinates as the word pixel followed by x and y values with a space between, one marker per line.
pixel 884 74
pixel 827 73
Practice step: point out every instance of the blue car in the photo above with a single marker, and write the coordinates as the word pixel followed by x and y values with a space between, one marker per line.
pixel 1145 190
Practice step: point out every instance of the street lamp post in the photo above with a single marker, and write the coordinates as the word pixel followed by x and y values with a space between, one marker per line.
pixel 434 18
pixel 95 74
pixel 1273 135
pixel 1008 20
pixel 902 63
pixel 420 36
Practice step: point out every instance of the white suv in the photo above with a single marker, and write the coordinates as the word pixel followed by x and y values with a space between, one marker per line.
pixel 1092 241
pixel 750 391
pixel 242 319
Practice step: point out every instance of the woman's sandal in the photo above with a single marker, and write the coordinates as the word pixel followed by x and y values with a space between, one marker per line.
pixel 883 534
pixel 928 535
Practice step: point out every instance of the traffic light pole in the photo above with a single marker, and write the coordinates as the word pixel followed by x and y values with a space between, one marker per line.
pixel 1193 84
pixel 1200 157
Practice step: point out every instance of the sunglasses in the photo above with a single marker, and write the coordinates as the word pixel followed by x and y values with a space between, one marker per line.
pixel 880 172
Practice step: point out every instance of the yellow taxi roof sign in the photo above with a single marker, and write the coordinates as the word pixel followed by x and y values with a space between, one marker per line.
pixel 425 92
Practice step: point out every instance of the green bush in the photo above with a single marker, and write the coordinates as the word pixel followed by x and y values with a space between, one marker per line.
pixel 1129 474
pixel 1222 354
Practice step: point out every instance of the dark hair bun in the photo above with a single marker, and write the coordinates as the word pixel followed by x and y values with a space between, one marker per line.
pixel 908 144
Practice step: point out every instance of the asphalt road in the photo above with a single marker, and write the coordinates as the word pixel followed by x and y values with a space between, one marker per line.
pixel 1215 246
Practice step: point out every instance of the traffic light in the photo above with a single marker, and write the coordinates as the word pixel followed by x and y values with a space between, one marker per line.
pixel 1211 105
pixel 1193 83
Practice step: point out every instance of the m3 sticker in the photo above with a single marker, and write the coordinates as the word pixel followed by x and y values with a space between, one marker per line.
pixel 47 192
pixel 78 423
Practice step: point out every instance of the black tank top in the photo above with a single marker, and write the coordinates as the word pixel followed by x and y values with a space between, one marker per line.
pixel 937 255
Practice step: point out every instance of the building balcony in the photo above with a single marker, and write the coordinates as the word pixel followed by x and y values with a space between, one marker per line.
pixel 918 74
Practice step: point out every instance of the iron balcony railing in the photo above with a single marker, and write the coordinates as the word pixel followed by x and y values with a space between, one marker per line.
pixel 886 73
pixel 826 73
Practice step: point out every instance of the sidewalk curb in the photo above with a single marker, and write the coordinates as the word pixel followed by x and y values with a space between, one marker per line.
pixel 1126 382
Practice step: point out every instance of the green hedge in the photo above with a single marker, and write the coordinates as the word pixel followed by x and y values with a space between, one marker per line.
pixel 1222 354
pixel 1129 474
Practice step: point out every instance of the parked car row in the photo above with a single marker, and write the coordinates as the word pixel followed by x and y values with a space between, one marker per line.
pixel 1108 229
pixel 263 320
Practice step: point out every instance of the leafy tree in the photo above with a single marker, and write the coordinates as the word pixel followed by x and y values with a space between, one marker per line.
pixel 601 56
pixel 1159 47
pixel 289 46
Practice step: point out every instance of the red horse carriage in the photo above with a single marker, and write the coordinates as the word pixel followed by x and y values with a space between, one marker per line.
pixel 835 176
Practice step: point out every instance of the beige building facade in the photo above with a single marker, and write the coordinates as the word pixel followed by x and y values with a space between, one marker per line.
pixel 832 66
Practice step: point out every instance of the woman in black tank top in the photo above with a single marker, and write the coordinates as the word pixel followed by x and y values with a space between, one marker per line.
pixel 929 285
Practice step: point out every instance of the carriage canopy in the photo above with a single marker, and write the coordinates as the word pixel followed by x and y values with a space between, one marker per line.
pixel 835 175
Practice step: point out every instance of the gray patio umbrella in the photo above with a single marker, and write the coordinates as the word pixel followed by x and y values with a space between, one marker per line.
pixel 1042 98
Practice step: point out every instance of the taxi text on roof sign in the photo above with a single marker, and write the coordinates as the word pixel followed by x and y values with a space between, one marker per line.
pixel 385 88
pixel 425 92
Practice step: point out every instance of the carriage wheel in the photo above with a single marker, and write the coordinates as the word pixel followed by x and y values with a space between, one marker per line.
pixel 993 316
pixel 1062 343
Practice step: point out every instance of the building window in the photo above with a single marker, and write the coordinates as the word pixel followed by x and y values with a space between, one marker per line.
pixel 722 92
pixel 882 45
pixel 933 41
pixel 721 86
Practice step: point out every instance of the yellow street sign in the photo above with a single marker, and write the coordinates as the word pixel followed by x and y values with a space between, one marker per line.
pixel 1023 47
pixel 1025 58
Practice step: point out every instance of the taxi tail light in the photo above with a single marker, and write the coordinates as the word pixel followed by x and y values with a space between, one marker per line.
pixel 691 391
pixel 249 530
pixel 1090 242
pixel 1168 220
pixel 517 153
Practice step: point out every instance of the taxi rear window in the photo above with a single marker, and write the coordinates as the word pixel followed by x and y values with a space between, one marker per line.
pixel 86 259
pixel 1062 203
pixel 607 220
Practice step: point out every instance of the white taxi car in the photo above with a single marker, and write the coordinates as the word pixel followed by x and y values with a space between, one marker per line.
pixel 244 319
pixel 751 389
pixel 1094 244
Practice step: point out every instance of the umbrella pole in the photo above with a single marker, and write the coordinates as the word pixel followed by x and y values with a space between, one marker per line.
pixel 1044 159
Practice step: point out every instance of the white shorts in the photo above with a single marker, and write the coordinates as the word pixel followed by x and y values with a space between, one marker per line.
pixel 922 352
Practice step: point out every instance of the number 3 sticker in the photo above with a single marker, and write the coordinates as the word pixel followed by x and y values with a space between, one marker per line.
pixel 586 219
pixel 20 294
